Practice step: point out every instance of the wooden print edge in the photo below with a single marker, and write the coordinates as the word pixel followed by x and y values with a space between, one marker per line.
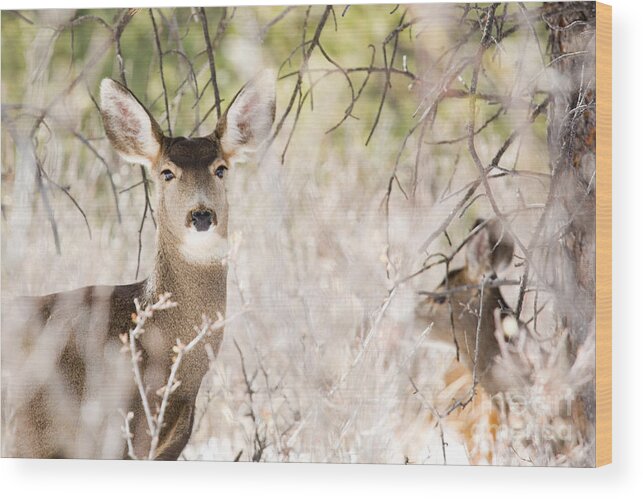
pixel 603 234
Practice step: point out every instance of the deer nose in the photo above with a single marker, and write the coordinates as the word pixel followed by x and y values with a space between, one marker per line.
pixel 202 219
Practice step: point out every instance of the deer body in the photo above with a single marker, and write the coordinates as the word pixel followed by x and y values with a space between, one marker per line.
pixel 69 376
pixel 474 339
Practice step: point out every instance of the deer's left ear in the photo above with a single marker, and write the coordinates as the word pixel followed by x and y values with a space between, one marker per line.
pixel 248 119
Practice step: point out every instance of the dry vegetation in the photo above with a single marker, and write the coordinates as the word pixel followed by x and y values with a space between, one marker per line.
pixel 396 128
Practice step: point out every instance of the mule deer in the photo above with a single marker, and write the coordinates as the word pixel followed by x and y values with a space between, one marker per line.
pixel 71 376
pixel 498 355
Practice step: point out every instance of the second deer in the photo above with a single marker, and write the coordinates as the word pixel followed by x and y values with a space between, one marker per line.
pixel 61 354
pixel 498 358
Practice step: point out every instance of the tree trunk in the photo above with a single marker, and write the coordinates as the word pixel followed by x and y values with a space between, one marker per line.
pixel 570 251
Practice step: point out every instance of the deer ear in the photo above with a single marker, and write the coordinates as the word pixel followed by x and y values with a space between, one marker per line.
pixel 248 119
pixel 478 254
pixel 501 243
pixel 134 134
pixel 490 249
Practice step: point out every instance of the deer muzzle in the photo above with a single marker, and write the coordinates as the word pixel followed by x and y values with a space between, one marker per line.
pixel 202 219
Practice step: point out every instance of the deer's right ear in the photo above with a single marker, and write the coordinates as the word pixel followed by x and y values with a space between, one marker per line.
pixel 134 134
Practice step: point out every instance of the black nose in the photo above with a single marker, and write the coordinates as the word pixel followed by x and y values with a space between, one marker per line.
pixel 202 219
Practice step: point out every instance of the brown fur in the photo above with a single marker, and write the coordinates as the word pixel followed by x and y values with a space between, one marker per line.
pixel 192 153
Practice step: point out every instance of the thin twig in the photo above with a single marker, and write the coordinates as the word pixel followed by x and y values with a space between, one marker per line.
pixel 161 73
pixel 213 69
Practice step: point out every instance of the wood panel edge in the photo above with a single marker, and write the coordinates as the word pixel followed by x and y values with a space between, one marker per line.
pixel 603 234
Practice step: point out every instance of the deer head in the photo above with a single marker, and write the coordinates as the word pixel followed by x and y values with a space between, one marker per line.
pixel 190 173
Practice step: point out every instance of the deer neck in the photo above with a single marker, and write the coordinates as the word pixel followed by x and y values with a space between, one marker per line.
pixel 197 288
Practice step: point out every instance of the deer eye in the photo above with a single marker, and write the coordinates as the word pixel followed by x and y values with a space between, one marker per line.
pixel 440 300
pixel 220 171
pixel 167 175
